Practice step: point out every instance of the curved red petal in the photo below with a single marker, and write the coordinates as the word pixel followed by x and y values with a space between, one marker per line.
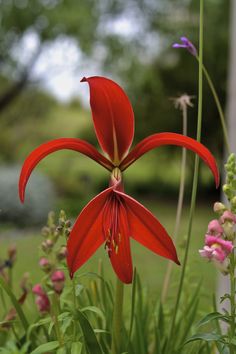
pixel 147 230
pixel 160 139
pixel 87 233
pixel 58 144
pixel 113 117
pixel 117 233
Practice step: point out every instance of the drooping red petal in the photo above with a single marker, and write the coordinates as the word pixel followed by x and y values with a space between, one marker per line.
pixel 113 117
pixel 87 233
pixel 147 230
pixel 58 144
pixel 117 234
pixel 160 139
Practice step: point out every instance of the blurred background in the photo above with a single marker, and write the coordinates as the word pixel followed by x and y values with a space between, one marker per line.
pixel 47 46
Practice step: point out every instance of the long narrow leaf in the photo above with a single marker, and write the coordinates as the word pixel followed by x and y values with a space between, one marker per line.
pixel 90 338
pixel 15 303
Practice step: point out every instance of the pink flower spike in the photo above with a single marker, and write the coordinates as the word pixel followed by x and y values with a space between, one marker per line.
pixel 228 216
pixel 214 228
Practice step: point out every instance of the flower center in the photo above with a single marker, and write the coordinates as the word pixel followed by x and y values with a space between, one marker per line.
pixel 111 225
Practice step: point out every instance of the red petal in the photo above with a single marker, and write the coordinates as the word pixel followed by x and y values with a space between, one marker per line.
pixel 156 140
pixel 47 148
pixel 120 255
pixel 87 233
pixel 113 117
pixel 147 230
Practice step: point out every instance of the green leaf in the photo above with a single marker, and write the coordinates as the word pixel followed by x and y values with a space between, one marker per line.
pixel 15 303
pixel 95 310
pixel 207 337
pixel 211 317
pixel 224 297
pixel 89 336
pixel 132 307
pixel 76 348
pixel 46 347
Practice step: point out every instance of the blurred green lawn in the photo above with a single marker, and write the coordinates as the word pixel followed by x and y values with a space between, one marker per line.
pixel 150 267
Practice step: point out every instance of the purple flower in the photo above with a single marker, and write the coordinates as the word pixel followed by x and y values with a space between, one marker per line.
pixel 187 44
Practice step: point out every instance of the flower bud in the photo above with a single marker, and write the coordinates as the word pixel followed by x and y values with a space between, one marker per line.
pixel 228 216
pixel 58 281
pixel 12 253
pixel 62 254
pixel 45 231
pixel 45 264
pixel 47 245
pixel 214 228
pixel 219 207
pixel 233 202
pixel 68 223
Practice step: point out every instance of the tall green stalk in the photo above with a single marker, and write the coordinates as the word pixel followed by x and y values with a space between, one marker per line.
pixel 195 181
pixel 179 206
pixel 232 300
pixel 219 108
pixel 117 318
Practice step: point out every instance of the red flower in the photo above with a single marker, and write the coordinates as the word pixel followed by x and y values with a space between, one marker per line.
pixel 112 217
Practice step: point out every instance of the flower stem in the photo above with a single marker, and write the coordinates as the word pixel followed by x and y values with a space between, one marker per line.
pixel 195 180
pixel 56 307
pixel 117 318
pixel 179 208
pixel 232 300
pixel 219 108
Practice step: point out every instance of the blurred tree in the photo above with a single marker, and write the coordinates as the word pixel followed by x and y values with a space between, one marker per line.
pixel 46 20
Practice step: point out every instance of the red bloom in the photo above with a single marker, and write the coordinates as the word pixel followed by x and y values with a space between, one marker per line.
pixel 112 217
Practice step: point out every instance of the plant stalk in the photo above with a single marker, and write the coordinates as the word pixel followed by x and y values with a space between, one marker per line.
pixel 117 318
pixel 232 300
pixel 219 107
pixel 166 282
pixel 195 181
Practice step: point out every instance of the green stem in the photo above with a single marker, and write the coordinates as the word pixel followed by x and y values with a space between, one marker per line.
pixel 219 108
pixel 117 318
pixel 179 208
pixel 3 299
pixel 232 300
pixel 56 308
pixel 195 181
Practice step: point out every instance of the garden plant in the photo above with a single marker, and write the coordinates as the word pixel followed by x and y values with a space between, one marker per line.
pixel 84 312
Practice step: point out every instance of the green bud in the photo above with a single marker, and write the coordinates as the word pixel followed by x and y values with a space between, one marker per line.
pixel 219 208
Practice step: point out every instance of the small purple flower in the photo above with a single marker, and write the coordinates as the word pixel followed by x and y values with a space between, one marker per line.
pixel 187 44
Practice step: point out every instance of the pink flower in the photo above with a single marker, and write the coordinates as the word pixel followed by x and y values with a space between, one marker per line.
pixel 41 300
pixel 216 248
pixel 58 281
pixel 214 228
pixel 228 216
